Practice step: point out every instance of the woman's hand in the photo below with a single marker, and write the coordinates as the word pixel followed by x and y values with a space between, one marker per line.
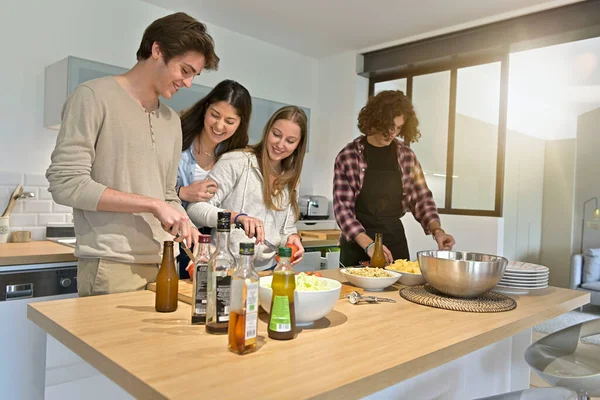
pixel 444 241
pixel 386 252
pixel 294 240
pixel 197 191
pixel 253 227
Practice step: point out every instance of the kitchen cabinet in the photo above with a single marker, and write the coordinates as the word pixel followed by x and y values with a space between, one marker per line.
pixel 62 77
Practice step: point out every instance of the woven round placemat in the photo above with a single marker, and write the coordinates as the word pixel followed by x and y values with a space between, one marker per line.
pixel 486 303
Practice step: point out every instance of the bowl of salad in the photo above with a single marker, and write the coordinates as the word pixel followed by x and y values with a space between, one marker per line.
pixel 314 297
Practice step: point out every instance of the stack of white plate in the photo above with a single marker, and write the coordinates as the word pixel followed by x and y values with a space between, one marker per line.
pixel 524 277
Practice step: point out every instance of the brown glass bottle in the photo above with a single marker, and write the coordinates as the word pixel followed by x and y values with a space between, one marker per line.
pixel 282 318
pixel 378 258
pixel 167 281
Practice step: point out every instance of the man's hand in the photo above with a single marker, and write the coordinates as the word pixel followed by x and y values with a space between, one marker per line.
pixel 386 252
pixel 444 241
pixel 173 221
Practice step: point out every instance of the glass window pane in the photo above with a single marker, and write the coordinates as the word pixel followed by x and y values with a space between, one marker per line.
pixel 398 84
pixel 476 137
pixel 431 97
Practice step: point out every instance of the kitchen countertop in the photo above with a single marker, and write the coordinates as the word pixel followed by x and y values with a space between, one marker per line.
pixel 35 252
pixel 154 355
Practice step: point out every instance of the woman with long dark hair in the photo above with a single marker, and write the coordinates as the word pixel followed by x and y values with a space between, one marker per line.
pixel 216 124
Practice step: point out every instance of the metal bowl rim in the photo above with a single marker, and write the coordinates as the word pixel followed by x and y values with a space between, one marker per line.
pixel 420 254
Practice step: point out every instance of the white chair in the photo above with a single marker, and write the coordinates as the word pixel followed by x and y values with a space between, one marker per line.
pixel 536 394
pixel 562 359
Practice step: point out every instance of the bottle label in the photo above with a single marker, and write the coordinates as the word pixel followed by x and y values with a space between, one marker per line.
pixel 280 316
pixel 251 310
pixel 201 289
pixel 223 286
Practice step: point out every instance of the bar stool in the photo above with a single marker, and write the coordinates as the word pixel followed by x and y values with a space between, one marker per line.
pixel 562 359
pixel 536 394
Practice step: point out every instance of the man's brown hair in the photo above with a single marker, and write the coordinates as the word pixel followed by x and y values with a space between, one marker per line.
pixel 377 116
pixel 176 34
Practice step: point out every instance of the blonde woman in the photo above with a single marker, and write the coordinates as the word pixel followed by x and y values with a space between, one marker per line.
pixel 258 185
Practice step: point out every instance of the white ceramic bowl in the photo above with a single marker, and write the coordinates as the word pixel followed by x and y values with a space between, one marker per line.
pixel 310 306
pixel 368 283
pixel 409 279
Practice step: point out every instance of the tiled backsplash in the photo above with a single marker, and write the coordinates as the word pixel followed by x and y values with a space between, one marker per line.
pixel 35 213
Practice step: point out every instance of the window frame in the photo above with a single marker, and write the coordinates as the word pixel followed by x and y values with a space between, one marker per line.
pixel 453 66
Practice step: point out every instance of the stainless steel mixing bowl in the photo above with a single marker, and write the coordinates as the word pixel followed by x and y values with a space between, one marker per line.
pixel 461 274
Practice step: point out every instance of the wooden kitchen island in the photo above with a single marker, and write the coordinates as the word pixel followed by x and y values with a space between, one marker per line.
pixel 387 350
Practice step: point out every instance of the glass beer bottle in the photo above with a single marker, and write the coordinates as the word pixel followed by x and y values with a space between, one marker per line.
pixel 282 318
pixel 200 291
pixel 378 258
pixel 167 281
pixel 243 317
pixel 220 268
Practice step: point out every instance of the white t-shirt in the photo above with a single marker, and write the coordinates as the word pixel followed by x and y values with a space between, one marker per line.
pixel 199 173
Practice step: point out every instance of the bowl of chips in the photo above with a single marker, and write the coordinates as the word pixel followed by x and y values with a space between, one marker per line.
pixel 411 273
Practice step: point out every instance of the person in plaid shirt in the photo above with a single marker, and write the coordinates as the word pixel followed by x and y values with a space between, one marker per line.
pixel 377 179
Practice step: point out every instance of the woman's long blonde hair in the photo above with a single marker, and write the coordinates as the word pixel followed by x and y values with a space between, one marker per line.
pixel 291 165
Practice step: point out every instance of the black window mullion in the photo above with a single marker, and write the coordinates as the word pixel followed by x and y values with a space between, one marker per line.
pixel 409 92
pixel 451 127
pixel 502 127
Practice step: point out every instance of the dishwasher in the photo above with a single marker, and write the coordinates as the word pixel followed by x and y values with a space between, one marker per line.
pixel 22 343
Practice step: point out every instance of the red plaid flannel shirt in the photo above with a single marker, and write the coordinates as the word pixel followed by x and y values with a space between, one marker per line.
pixel 349 174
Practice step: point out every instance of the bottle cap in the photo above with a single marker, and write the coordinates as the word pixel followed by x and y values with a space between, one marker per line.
pixel 224 221
pixel 246 249
pixel 204 238
pixel 168 243
pixel 285 252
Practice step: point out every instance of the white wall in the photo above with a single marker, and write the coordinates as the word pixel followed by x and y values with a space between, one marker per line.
pixel 523 192
pixel 110 32
pixel 557 214
pixel 476 234
pixel 587 177
pixel 341 95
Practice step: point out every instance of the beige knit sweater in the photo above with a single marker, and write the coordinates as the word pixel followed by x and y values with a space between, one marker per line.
pixel 108 140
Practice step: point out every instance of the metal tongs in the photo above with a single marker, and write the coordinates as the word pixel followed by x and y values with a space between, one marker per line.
pixel 356 298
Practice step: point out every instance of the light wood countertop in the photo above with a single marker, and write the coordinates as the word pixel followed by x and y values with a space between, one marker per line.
pixel 157 356
pixel 35 252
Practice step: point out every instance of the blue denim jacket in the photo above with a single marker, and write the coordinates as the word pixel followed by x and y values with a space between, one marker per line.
pixel 185 170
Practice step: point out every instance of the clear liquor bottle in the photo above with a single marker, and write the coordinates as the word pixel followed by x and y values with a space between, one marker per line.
pixel 200 285
pixel 220 269
pixel 243 317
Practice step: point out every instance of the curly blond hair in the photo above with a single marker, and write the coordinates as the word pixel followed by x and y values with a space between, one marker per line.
pixel 377 116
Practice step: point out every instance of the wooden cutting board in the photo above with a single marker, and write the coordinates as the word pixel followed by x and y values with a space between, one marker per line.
pixel 323 234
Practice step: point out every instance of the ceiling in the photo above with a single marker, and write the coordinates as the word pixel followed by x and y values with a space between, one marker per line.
pixel 319 28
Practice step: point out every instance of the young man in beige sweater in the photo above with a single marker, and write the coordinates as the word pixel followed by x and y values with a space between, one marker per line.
pixel 116 156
